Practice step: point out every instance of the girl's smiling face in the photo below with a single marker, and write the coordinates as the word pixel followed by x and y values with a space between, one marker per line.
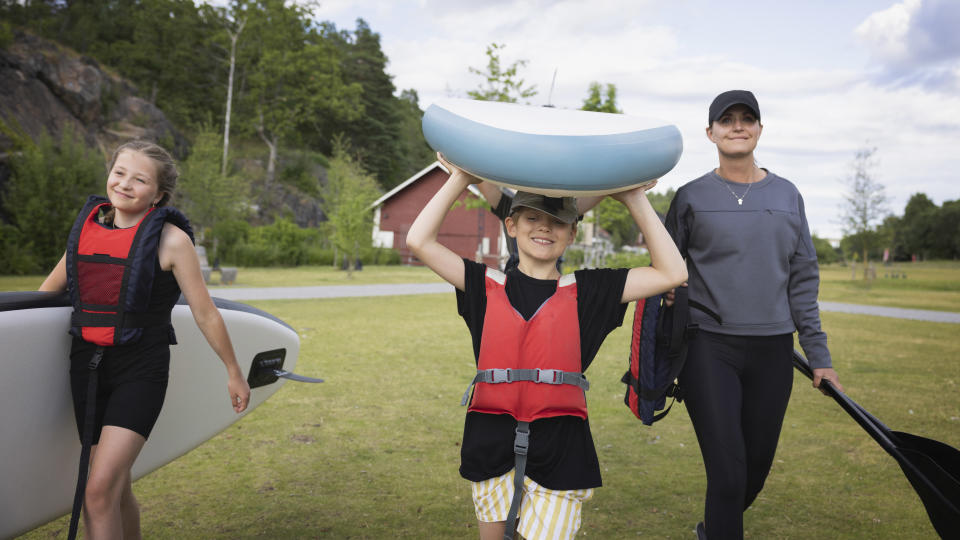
pixel 132 184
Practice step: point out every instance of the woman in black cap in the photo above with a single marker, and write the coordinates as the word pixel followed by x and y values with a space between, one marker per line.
pixel 753 270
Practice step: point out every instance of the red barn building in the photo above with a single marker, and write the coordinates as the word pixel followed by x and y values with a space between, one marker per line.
pixel 472 233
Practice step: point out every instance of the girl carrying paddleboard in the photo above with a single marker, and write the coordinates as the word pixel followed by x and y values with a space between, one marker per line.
pixel 743 231
pixel 128 258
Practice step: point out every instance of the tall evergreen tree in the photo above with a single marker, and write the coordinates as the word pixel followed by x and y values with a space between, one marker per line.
pixel 374 136
pixel 414 149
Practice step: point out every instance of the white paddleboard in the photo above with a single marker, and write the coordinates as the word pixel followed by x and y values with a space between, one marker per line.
pixel 39 445
pixel 551 151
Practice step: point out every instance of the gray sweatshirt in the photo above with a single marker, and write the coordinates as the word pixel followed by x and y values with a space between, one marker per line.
pixel 753 263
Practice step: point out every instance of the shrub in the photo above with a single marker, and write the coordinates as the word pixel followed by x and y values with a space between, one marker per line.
pixel 228 235
pixel 281 243
pixel 317 256
pixel 379 256
pixel 625 259
pixel 573 258
pixel 48 185
pixel 17 252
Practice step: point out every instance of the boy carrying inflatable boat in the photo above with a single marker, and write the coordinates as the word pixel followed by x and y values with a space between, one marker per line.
pixel 527 447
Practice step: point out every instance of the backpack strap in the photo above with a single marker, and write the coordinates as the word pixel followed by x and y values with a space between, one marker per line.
pixel 681 332
pixel 539 376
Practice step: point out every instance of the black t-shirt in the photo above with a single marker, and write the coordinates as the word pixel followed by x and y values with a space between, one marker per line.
pixel 561 454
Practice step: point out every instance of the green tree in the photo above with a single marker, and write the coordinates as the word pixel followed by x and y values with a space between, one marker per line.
pixel 661 201
pixel 293 77
pixel 946 231
pixel 826 254
pixel 600 101
pixel 414 149
pixel 349 193
pixel 614 218
pixel 865 206
pixel 375 136
pixel 916 226
pixel 232 20
pixel 164 47
pixel 49 183
pixel 501 84
pixel 206 195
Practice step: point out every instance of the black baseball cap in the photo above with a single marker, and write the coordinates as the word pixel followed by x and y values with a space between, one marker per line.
pixel 730 98
pixel 562 208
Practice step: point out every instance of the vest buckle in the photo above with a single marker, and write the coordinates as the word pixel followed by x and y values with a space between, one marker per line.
pixel 549 376
pixel 521 441
pixel 94 362
pixel 498 375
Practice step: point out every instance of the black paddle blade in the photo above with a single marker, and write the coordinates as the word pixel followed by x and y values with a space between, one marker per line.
pixel 931 467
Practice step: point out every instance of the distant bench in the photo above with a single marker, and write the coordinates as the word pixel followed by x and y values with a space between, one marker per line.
pixel 228 274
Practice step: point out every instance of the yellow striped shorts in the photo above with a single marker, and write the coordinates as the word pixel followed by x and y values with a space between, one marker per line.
pixel 544 513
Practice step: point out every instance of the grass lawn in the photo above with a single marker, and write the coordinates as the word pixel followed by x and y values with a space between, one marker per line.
pixel 926 285
pixel 326 275
pixel 282 277
pixel 373 452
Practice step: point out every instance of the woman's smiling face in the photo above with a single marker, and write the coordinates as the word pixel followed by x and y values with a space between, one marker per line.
pixel 736 131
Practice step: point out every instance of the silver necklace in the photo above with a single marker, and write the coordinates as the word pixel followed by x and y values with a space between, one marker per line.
pixel 739 198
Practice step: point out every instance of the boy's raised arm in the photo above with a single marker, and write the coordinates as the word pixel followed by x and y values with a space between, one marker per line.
pixel 422 236
pixel 667 268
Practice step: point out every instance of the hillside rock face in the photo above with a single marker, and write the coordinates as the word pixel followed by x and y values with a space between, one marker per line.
pixel 46 88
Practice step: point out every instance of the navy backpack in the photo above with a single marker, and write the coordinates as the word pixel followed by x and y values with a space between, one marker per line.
pixel 658 351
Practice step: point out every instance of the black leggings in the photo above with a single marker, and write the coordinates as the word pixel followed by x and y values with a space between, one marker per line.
pixel 736 390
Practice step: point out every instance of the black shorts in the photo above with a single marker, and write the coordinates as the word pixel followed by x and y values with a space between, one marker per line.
pixel 131 386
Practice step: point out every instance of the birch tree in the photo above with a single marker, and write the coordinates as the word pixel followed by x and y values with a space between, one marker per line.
pixel 865 204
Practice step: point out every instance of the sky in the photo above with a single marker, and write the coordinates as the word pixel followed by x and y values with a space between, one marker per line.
pixel 831 77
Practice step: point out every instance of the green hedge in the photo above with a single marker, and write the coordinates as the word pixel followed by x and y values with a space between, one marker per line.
pixel 625 259
pixel 283 243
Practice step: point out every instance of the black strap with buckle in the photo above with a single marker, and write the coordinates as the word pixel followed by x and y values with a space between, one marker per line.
pixel 90 414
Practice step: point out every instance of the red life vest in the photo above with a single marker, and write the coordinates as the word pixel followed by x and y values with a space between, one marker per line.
pixel 549 341
pixel 110 274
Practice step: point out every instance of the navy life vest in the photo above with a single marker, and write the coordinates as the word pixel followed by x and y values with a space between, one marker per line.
pixel 658 351
pixel 110 274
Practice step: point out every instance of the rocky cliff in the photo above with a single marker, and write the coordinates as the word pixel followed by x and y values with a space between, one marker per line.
pixel 46 88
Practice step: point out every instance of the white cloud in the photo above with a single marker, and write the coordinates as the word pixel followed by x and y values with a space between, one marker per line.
pixel 917 43
pixel 886 32
pixel 669 61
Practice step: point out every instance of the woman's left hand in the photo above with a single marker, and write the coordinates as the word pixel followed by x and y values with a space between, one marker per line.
pixel 828 374
pixel 239 392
